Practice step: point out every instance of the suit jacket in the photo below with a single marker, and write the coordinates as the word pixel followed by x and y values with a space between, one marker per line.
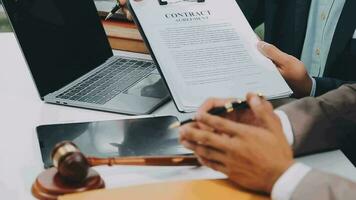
pixel 319 124
pixel 285 27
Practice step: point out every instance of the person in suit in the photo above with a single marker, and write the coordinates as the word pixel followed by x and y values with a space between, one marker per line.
pixel 253 147
pixel 322 34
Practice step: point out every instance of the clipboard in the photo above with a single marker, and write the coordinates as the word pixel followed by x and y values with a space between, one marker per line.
pixel 148 45
pixel 278 81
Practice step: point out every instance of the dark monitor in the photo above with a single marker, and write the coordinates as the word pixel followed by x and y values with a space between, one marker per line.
pixel 60 39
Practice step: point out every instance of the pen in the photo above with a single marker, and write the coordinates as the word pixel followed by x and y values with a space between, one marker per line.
pixel 113 11
pixel 229 107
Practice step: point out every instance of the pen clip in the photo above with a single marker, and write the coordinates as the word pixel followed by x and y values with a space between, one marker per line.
pixel 165 2
pixel 229 107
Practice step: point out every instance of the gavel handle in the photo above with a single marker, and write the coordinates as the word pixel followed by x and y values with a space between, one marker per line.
pixel 146 161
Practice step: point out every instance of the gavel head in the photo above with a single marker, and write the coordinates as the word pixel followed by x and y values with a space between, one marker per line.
pixel 71 164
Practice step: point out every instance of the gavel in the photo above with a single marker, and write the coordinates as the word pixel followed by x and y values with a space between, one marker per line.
pixel 72 170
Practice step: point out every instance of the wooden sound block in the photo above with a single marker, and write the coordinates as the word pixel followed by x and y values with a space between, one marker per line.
pixel 49 185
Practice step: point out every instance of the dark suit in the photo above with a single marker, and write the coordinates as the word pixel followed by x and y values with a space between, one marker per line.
pixel 285 27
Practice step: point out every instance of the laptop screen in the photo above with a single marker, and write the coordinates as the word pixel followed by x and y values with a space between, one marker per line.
pixel 60 39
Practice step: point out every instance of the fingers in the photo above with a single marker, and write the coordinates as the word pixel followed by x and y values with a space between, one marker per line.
pixel 125 11
pixel 222 125
pixel 263 111
pixel 273 53
pixel 214 165
pixel 205 152
pixel 127 14
pixel 205 144
pixel 203 137
pixel 204 127
pixel 122 2
pixel 212 103
pixel 207 105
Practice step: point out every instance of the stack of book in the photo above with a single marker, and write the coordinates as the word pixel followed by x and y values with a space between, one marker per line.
pixel 124 36
pixel 122 33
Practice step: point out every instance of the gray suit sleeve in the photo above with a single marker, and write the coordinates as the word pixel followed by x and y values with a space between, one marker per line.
pixel 322 123
pixel 320 185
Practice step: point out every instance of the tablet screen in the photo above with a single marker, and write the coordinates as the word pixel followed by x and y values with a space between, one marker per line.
pixel 117 138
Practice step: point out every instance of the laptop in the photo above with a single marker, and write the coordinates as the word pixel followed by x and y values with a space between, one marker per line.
pixel 72 63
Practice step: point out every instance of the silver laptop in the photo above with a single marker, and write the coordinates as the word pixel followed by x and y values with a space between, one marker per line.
pixel 72 63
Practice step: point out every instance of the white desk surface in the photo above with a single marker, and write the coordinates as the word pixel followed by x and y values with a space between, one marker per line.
pixel 21 110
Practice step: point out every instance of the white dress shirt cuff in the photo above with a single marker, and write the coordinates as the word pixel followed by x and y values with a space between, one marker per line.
pixel 286 184
pixel 287 127
pixel 313 90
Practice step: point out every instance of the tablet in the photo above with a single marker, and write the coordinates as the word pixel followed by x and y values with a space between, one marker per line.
pixel 116 138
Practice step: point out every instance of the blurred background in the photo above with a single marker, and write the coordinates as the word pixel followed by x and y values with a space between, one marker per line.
pixel 5 26
pixel 4 23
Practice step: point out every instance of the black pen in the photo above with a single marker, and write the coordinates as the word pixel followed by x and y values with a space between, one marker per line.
pixel 113 11
pixel 229 107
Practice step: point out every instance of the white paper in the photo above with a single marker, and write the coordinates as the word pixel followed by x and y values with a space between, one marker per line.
pixel 123 176
pixel 207 50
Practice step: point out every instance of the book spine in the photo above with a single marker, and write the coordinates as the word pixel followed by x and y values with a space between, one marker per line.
pixel 121 30
pixel 128 45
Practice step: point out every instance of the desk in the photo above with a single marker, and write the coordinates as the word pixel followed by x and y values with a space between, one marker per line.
pixel 21 110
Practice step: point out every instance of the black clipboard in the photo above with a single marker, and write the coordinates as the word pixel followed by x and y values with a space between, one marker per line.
pixel 140 29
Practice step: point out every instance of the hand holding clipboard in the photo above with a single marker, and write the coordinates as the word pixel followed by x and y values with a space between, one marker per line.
pixel 120 7
pixel 205 49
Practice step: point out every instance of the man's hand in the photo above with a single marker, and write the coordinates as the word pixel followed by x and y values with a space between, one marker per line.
pixel 125 10
pixel 242 116
pixel 292 69
pixel 253 157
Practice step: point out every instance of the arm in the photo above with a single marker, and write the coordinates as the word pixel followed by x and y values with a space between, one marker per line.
pixel 324 85
pixel 320 185
pixel 300 182
pixel 322 123
pixel 238 149
pixel 296 75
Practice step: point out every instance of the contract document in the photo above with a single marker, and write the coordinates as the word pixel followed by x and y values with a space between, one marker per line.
pixel 206 49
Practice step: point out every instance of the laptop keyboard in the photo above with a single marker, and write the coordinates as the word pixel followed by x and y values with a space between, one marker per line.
pixel 108 82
